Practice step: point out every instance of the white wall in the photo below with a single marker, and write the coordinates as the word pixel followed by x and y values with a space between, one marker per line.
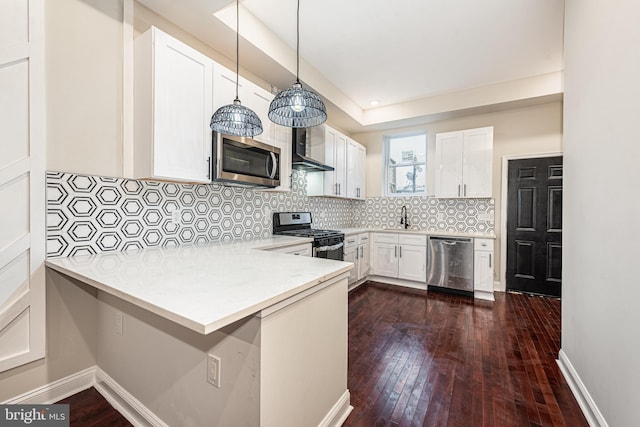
pixel 83 42
pixel 526 130
pixel 600 305
pixel 71 338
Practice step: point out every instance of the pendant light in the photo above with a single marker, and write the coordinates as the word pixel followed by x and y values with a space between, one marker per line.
pixel 236 119
pixel 297 107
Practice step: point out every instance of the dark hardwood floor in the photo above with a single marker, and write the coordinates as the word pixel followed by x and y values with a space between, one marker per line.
pixel 418 359
pixel 89 409
pixel 433 359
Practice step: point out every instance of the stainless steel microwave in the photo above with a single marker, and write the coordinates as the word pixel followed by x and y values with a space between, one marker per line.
pixel 245 161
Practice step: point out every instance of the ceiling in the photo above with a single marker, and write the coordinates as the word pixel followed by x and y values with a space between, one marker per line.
pixel 419 59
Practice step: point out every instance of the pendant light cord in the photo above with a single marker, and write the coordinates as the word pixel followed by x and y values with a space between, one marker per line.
pixel 298 44
pixel 237 45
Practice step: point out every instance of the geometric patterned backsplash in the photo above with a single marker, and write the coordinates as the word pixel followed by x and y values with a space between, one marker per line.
pixel 90 214
pixel 428 213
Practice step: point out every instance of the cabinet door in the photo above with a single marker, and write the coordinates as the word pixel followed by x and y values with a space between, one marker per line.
pixel 259 100
pixel 364 266
pixel 351 255
pixel 477 162
pixel 449 152
pixel 351 169
pixel 340 165
pixel 413 263
pixel 330 183
pixel 361 171
pixel 283 141
pixel 182 111
pixel 224 87
pixel 384 259
pixel 483 271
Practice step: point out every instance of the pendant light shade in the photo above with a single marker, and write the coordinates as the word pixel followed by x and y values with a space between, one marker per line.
pixel 297 107
pixel 236 119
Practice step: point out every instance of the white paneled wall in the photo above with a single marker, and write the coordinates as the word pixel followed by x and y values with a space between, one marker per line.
pixel 22 183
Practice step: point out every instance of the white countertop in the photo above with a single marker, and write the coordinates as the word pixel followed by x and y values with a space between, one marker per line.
pixel 203 288
pixel 349 231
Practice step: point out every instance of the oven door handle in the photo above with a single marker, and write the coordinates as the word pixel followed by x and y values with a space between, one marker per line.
pixel 330 248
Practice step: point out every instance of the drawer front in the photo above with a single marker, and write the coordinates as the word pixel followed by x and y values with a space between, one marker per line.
pixel 350 241
pixel 303 249
pixel 363 238
pixel 385 238
pixel 483 244
pixel 413 239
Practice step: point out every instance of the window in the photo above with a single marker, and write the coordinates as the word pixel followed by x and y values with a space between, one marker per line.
pixel 405 166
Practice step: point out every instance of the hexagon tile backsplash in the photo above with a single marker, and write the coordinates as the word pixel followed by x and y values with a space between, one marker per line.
pixel 90 214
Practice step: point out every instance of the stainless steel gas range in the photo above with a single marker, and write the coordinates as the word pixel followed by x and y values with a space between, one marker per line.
pixel 326 243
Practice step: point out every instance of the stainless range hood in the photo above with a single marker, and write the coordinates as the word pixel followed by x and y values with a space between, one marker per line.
pixel 299 159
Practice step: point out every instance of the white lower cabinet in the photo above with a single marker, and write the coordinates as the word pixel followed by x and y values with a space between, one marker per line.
pixel 483 269
pixel 303 249
pixel 356 250
pixel 401 256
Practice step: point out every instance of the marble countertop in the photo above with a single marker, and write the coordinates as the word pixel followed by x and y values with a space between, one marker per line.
pixel 207 287
pixel 349 231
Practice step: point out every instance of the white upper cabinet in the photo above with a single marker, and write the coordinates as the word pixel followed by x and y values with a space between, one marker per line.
pixel 224 87
pixel 464 163
pixel 355 175
pixel 345 155
pixel 173 107
pixel 259 100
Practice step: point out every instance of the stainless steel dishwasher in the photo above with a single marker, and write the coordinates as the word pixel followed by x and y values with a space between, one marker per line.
pixel 451 264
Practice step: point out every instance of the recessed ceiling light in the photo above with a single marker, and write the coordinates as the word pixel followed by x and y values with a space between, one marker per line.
pixel 374 102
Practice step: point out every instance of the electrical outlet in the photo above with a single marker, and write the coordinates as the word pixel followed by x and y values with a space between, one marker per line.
pixel 175 216
pixel 485 217
pixel 440 216
pixel 119 323
pixel 213 370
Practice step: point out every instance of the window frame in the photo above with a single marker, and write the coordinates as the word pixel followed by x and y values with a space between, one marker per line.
pixel 386 168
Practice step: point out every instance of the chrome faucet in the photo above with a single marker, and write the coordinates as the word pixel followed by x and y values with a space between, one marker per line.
pixel 403 217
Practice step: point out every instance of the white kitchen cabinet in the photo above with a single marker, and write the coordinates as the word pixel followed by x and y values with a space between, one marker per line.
pixel 483 269
pixel 258 100
pixel 351 252
pixel 284 142
pixel 412 263
pixel 345 155
pixel 355 173
pixel 356 250
pixel 173 102
pixel 401 256
pixel 464 163
pixel 300 249
pixel 364 256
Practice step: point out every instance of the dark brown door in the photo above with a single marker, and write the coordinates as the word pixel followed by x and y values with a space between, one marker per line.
pixel 534 226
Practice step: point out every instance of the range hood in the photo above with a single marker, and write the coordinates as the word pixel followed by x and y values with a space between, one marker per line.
pixel 299 159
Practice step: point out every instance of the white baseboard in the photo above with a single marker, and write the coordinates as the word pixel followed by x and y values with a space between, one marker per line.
pixel 339 413
pixel 483 295
pixel 399 282
pixel 587 404
pixel 123 401
pixel 57 390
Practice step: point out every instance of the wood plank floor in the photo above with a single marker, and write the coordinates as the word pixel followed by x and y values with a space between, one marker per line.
pixel 89 409
pixel 433 359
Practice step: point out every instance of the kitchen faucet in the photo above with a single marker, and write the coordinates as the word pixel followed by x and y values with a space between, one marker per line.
pixel 403 217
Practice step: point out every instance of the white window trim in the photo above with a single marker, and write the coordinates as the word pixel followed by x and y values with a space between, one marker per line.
pixel 385 163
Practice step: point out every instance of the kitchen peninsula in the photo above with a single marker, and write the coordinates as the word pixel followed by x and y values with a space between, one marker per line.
pixel 275 325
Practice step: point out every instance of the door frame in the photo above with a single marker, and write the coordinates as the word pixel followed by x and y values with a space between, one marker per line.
pixel 503 208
